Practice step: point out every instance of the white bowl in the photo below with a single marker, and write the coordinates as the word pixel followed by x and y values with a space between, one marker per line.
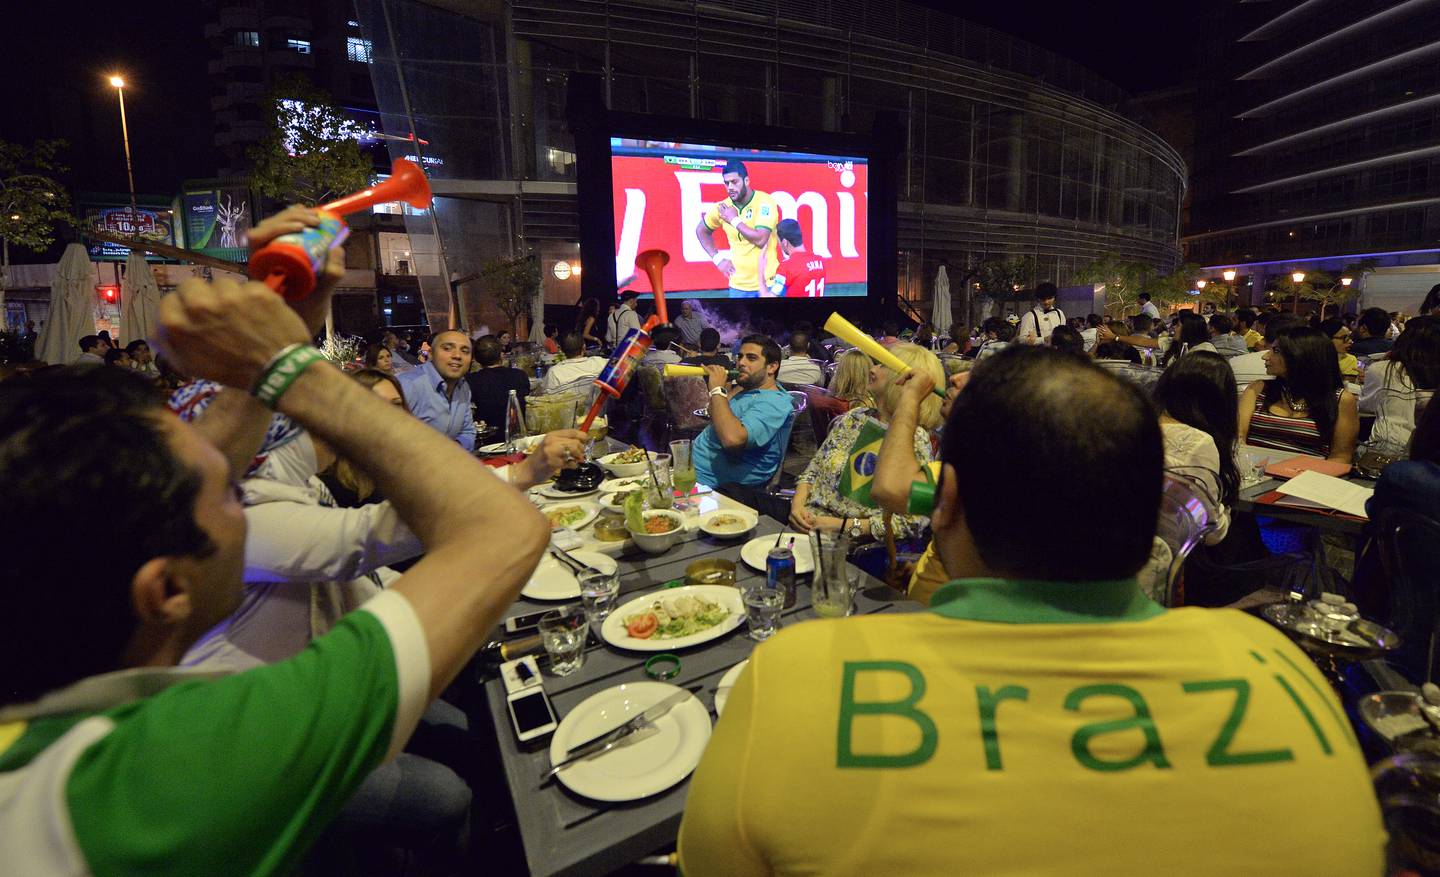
pixel 659 543
pixel 629 470
pixel 748 522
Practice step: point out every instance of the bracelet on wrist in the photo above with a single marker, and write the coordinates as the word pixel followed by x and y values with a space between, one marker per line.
pixel 716 258
pixel 281 372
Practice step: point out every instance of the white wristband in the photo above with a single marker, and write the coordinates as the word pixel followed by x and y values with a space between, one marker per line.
pixel 735 223
pixel 717 258
pixel 718 391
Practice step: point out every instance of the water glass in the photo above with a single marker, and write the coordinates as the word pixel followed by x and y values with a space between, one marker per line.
pixel 598 592
pixel 762 611
pixel 563 634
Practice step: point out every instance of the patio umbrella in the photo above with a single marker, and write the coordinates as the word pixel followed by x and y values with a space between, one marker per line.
pixel 537 318
pixel 72 309
pixel 940 306
pixel 139 300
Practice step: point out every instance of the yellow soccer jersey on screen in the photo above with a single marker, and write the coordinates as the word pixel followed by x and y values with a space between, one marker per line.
pixel 759 212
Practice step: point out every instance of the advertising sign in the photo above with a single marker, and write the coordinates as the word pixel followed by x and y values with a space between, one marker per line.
pixel 145 222
pixel 216 220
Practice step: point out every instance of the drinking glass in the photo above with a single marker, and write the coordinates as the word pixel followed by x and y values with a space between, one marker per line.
pixel 683 473
pixel 762 611
pixel 833 594
pixel 598 591
pixel 658 492
pixel 563 634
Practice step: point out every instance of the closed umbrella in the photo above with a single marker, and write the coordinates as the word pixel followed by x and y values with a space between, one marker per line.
pixel 72 309
pixel 940 306
pixel 139 300
pixel 537 317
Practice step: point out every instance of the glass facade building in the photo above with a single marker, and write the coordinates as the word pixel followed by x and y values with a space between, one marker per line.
pixel 1007 150
pixel 1319 134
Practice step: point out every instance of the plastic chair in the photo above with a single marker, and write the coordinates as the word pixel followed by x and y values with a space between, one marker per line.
pixel 824 407
pixel 1410 553
pixel 1183 524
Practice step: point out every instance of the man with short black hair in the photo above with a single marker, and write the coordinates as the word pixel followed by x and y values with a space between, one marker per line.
pixel 710 351
pixel 1226 342
pixel 118 357
pixel 92 350
pixel 491 384
pixel 141 359
pixel 1372 333
pixel 742 446
pixel 798 367
pixel 802 274
pixel 436 392
pixel 576 366
pixel 1042 687
pixel 748 217
pixel 1037 323
pixel 1147 307
pixel 1245 326
pixel 661 353
pixel 111 761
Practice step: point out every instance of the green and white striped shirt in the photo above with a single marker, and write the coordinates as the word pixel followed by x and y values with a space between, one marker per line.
pixel 178 772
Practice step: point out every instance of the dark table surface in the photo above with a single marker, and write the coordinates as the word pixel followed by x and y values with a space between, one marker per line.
pixel 564 833
pixel 1335 523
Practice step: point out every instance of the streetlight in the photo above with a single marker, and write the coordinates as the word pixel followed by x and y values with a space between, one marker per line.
pixel 118 83
pixel 1298 277
pixel 1229 275
pixel 1200 284
pixel 1346 281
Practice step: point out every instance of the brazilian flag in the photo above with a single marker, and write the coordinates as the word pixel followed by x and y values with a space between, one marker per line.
pixel 860 466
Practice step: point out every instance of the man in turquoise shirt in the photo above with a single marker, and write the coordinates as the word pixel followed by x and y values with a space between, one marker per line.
pixel 743 445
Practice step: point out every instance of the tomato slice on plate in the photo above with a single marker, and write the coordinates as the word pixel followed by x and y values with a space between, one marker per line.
pixel 642 626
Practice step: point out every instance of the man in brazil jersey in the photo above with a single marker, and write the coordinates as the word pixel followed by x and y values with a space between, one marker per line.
pixel 802 274
pixel 748 217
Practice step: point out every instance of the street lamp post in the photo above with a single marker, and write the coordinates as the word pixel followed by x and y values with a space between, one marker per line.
pixel 119 85
pixel 1299 278
pixel 1229 275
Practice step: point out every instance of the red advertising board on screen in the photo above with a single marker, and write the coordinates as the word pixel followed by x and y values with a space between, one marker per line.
pixel 662 192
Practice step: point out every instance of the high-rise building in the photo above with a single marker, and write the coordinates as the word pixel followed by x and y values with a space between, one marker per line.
pixel 1008 150
pixel 1318 137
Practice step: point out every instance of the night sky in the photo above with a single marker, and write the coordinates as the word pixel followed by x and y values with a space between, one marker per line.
pixel 56 86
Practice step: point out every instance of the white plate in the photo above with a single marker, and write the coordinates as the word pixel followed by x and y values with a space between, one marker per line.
pixel 553 580
pixel 648 762
pixel 615 485
pixel 613 630
pixel 553 492
pixel 750 522
pixel 524 444
pixel 722 691
pixel 754 551
pixel 590 509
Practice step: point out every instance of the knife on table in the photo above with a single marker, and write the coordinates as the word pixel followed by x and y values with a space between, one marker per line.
pixel 610 738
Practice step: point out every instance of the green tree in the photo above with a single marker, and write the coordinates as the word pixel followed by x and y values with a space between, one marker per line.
pixel 1176 287
pixel 32 203
pixel 514 282
pixel 309 154
pixel 1123 280
pixel 1005 279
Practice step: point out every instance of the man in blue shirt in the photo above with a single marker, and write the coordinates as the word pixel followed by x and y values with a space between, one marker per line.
pixel 742 445
pixel 436 391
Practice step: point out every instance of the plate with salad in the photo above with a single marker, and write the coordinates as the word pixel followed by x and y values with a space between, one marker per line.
pixel 675 618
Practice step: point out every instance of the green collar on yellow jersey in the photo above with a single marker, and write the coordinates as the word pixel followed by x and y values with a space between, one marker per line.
pixel 1016 601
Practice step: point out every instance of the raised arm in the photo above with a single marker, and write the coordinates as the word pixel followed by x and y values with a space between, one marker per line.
pixel 897 468
pixel 728 427
pixel 466 518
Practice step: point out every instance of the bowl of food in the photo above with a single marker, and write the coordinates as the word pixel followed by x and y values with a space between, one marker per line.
pixel 728 523
pixel 629 462
pixel 661 529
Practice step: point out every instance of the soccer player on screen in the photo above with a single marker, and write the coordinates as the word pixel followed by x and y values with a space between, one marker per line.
pixel 749 218
pixel 802 274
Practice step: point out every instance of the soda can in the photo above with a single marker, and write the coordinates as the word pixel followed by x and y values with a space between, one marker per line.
pixel 780 572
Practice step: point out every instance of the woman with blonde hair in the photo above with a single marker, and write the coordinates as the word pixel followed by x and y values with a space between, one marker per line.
pixel 818 503
pixel 851 380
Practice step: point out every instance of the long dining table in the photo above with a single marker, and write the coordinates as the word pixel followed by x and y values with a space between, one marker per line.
pixel 566 834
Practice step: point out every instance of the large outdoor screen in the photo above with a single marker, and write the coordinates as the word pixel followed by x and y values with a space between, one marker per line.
pixel 738 222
